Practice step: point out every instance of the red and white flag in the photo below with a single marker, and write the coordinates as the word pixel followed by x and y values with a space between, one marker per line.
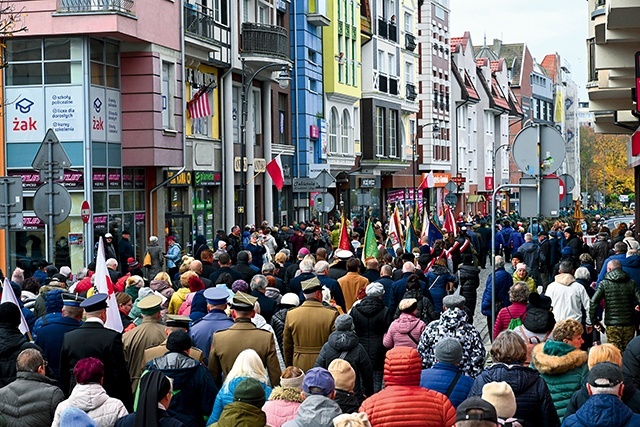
pixel 274 168
pixel 199 106
pixel 104 285
pixel 9 296
pixel 427 182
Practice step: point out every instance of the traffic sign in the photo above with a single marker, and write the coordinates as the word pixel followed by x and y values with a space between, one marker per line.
pixel 451 199
pixel 51 158
pixel 85 212
pixel 61 203
pixel 325 179
pixel 324 202
pixel 451 186
pixel 459 179
pixel 305 185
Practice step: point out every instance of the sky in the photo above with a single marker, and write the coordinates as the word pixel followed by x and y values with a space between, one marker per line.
pixel 546 26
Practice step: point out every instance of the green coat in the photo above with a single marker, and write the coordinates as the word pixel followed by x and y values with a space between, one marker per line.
pixel 620 295
pixel 563 368
pixel 531 283
pixel 241 414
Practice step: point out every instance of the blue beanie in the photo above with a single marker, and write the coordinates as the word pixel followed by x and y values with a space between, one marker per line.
pixel 567 250
pixel 74 417
pixel 53 301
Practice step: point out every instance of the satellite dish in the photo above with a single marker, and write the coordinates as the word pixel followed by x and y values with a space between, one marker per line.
pixel 544 161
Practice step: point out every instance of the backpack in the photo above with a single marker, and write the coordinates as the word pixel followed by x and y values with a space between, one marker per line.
pixel 147 260
pixel 515 321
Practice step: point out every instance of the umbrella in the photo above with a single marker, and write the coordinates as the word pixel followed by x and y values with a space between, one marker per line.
pixel 577 215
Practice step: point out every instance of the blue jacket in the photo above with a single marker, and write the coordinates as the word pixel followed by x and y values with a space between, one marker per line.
pixel 387 283
pixel 173 255
pixel 44 320
pixel 439 378
pixel 603 410
pixel 515 241
pixel 603 271
pixel 225 396
pixel 436 287
pixel 631 266
pixel 202 330
pixel 503 282
pixel 50 337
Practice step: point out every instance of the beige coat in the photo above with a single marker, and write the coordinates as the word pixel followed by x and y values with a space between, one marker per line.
pixel 149 334
pixel 350 284
pixel 306 329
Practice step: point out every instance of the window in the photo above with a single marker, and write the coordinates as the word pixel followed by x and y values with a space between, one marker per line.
pixel 312 56
pixel 346 130
pixel 379 131
pixel 408 72
pixel 489 124
pixel 282 118
pixel 333 131
pixel 202 126
pixel 167 95
pixel 392 65
pixel 313 85
pixel 393 133
pixel 408 23
pixel 265 12
pixel 382 62
pixel 257 112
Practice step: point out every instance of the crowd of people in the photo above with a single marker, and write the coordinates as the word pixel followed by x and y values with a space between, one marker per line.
pixel 290 327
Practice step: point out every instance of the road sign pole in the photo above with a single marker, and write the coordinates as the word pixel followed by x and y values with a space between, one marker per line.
pixel 50 225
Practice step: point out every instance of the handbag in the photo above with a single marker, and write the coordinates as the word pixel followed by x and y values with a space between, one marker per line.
pixel 147 260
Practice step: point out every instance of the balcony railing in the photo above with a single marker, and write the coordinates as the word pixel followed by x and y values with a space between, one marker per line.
pixel 201 21
pixel 263 39
pixel 383 28
pixel 393 32
pixel 410 42
pixel 98 6
pixel 411 93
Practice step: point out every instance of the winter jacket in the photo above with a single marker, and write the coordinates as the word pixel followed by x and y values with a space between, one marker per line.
pixel 164 420
pixel 179 297
pixel 568 298
pixel 30 400
pixel 225 397
pixel 346 342
pixel 600 252
pixel 517 310
pixel 631 362
pixel 197 389
pixel 277 323
pixel 440 377
pixel 503 283
pixel 11 344
pixel 426 311
pixel 515 241
pixel 533 400
pixel 531 256
pixel 404 331
pixel 403 402
pixel 202 330
pixel 347 401
pixel 603 410
pixel 563 368
pixel 620 295
pixel 261 323
pixel 453 323
pixel 315 411
pixel 437 279
pixel 241 414
pixel 630 397
pixel 371 320
pixel 469 278
pixel 531 284
pixel 631 266
pixel 95 402
pixel 282 406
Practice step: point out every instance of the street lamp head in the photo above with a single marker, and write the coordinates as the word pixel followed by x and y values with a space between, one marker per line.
pixel 284 78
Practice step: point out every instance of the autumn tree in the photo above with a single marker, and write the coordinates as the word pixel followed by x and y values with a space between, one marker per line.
pixel 603 163
pixel 11 22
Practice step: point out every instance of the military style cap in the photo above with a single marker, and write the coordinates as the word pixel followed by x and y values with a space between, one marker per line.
pixel 176 321
pixel 151 304
pixel 344 254
pixel 72 300
pixel 311 285
pixel 243 302
pixel 95 303
pixel 216 296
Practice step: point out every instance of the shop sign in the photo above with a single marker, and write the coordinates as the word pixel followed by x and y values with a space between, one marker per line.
pixel 488 183
pixel 100 222
pixel 127 181
pixel 24 114
pixel 324 145
pixel 441 179
pixel 75 239
pixel 238 164
pixel 73 180
pixel 114 179
pixel 140 218
pixel 99 179
pixel 182 180
pixel 369 182
pixel 32 223
pixel 114 118
pixel 259 165
pixel 138 181
pixel 314 132
pixel 65 111
pixel 98 110
pixel 207 179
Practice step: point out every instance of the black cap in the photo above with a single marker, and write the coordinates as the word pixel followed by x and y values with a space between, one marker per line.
pixel 605 374
pixel 177 321
pixel 480 410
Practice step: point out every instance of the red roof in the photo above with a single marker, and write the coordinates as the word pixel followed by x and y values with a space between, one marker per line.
pixel 471 89
pixel 459 41
pixel 497 94
pixel 482 62
pixel 496 65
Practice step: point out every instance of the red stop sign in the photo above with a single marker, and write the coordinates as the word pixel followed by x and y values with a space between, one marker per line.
pixel 85 212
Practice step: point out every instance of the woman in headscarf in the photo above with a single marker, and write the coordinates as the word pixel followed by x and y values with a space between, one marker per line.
pixel 154 398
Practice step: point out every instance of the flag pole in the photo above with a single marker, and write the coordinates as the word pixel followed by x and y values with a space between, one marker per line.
pixel 254 177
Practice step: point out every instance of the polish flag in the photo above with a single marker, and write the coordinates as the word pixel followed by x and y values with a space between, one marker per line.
pixel 9 296
pixel 104 286
pixel 274 168
pixel 427 182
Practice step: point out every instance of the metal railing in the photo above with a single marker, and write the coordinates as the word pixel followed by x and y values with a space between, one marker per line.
pixel 410 42
pixel 201 21
pixel 263 39
pixel 98 6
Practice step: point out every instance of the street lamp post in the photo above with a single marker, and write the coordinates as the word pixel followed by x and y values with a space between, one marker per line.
pixel 283 79
pixel 414 171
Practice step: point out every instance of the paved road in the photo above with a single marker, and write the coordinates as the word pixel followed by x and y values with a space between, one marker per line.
pixel 479 321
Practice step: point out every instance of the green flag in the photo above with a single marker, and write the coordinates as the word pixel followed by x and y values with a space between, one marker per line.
pixel 370 246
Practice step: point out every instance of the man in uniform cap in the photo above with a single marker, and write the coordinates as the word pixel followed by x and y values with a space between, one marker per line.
pixel 339 268
pixel 149 334
pixel 307 327
pixel 173 323
pixel 228 344
pixel 202 330
pixel 50 335
pixel 92 339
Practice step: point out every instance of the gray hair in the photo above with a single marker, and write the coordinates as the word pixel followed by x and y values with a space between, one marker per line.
pixel 565 267
pixel 153 239
pixel 499 261
pixel 259 282
pixel 519 292
pixel 29 360
pixel 112 262
pixel 268 267
pixel 408 267
pixel 386 270
pixel 306 266
pixel 582 274
pixel 606 390
pixel 528 237
pixel 321 267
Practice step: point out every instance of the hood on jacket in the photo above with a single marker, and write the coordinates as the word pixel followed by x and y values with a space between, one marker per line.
pixel 317 411
pixel 565 279
pixel 406 323
pixel 259 321
pixel 343 340
pixel 241 414
pixel 402 367
pixel 520 378
pixel 557 357
pixel 173 361
pixel 618 275
pixel 632 261
pixel 439 269
pixel 289 394
pixel 604 410
pixel 182 293
pixel 468 270
pixel 88 396
pixel 370 306
pixel 451 318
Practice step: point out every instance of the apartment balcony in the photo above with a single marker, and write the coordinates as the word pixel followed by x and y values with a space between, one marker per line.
pixel 201 24
pixel 411 93
pixel 410 42
pixel 95 6
pixel 318 15
pixel 265 43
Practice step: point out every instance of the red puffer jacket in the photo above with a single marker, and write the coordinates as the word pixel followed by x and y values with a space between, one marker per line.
pixel 403 403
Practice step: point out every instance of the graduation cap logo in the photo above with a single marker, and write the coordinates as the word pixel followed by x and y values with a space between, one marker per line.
pixel 24 105
pixel 97 105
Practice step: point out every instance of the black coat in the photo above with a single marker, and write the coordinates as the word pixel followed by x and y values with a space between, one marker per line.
pixel 268 306
pixel 371 319
pixel 50 340
pixel 11 344
pixel 631 362
pixel 164 420
pixel 426 311
pixel 469 280
pixel 94 340
pixel 245 271
pixel 277 323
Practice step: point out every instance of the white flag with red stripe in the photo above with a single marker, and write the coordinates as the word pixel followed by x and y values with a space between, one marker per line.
pixel 274 168
pixel 9 296
pixel 104 286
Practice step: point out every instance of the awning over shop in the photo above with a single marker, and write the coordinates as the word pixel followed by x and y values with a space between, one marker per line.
pixel 475 198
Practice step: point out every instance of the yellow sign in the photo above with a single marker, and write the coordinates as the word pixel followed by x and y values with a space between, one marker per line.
pixel 259 165
pixel 184 179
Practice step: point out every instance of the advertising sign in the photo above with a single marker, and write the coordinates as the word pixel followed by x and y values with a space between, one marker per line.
pixel 24 114
pixel 98 114
pixel 114 120
pixel 64 112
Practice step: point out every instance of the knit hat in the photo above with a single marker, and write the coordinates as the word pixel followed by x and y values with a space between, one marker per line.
pixel 521 266
pixel 374 289
pixel 290 299
pixel 195 284
pixel 449 350
pixel 344 322
pixel 500 395
pixel 343 374
pixel 567 250
pixel 178 341
pixel 10 314
pixel 66 270
pixel 74 417
pixel 240 286
pixel 53 301
pixel 295 382
pixel 408 305
pixel 250 391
